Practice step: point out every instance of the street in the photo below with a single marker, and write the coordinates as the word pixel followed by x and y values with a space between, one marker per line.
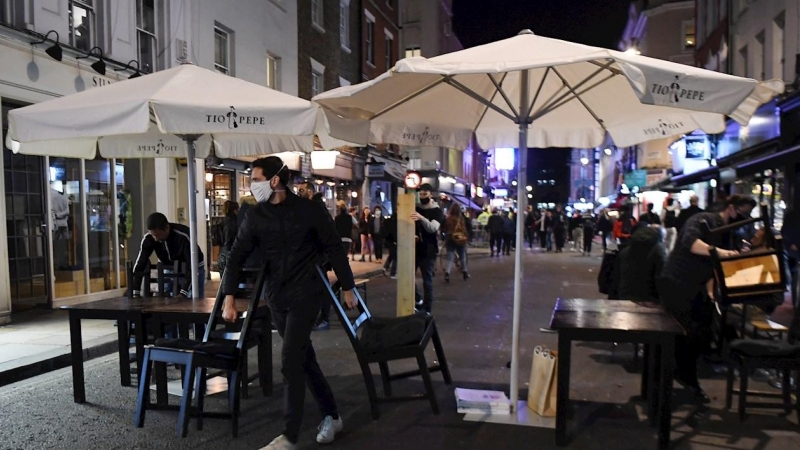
pixel 474 319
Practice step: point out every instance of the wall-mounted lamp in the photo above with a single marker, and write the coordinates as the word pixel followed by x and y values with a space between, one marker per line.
pixel 53 51
pixel 136 74
pixel 99 66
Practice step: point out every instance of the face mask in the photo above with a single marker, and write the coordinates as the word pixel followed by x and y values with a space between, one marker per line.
pixel 425 200
pixel 739 217
pixel 261 190
pixel 377 213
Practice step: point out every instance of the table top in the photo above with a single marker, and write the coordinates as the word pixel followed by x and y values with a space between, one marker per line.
pixel 612 315
pixel 158 305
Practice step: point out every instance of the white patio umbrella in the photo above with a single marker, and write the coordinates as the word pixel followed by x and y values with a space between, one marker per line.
pixel 166 114
pixel 532 91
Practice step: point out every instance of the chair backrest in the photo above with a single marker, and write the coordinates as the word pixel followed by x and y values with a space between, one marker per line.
pixel 755 273
pixel 351 327
pixel 255 298
pixel 130 276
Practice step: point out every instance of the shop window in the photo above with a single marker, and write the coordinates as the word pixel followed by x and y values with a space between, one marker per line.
pixel 67 187
pixel 100 225
pixel 82 24
pixel 146 36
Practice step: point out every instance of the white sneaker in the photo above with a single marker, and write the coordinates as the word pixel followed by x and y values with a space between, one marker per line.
pixel 328 429
pixel 280 443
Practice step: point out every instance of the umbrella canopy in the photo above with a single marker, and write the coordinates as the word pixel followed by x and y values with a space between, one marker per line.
pixel 532 91
pixel 171 113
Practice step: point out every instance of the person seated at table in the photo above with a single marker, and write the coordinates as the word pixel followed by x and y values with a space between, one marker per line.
pixel 171 243
pixel 639 265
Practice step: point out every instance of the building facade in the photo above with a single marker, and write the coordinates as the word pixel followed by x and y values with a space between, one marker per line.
pixel 80 255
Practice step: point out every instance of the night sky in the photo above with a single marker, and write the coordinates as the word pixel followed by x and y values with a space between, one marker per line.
pixel 592 22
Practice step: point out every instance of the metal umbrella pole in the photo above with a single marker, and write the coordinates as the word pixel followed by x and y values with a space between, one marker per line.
pixel 192 174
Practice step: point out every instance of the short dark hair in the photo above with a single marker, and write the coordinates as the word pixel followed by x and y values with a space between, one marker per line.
pixel 740 201
pixel 157 221
pixel 273 166
pixel 670 201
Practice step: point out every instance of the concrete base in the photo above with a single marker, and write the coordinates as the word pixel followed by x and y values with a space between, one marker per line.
pixel 524 417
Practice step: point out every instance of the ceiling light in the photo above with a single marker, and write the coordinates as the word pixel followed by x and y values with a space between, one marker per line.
pixel 53 51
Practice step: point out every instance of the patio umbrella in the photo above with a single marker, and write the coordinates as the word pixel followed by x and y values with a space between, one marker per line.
pixel 165 114
pixel 532 91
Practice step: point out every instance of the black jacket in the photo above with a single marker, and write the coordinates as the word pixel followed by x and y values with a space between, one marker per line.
pixel 428 244
pixel 685 214
pixel 640 265
pixel 344 226
pixel 292 237
pixel 229 230
pixel 389 231
pixel 495 224
pixel 177 247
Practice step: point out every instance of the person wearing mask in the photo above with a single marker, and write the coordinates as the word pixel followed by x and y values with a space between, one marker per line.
pixel 365 232
pixel 650 217
pixel 624 227
pixel 293 235
pixel 509 231
pixel 669 217
pixel 495 228
pixel 640 265
pixel 230 227
pixel 429 218
pixel 171 243
pixel 457 238
pixel 376 231
pixel 682 286
pixel 687 213
pixel 604 228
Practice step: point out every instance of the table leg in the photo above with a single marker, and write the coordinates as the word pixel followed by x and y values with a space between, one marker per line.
pixel 160 370
pixel 562 390
pixel 76 349
pixel 646 367
pixel 665 393
pixel 655 377
pixel 123 342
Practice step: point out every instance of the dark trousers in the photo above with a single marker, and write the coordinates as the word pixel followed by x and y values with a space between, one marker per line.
pixel 508 239
pixel 604 237
pixel 542 238
pixel 425 266
pixel 377 244
pixel 496 242
pixel 588 235
pixel 531 235
pixel 794 271
pixel 391 260
pixel 300 368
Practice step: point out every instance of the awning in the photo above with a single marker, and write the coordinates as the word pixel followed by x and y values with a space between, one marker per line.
pixel 696 177
pixel 392 168
pixel 464 201
pixel 773 161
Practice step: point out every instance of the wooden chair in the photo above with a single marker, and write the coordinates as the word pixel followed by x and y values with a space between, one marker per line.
pixel 198 357
pixel 414 347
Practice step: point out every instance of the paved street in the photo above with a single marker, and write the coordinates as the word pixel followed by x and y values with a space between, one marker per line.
pixel 474 319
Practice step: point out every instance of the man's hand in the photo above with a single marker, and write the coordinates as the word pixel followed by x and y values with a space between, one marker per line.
pixel 181 296
pixel 415 216
pixel 726 253
pixel 350 299
pixel 229 312
pixel 793 248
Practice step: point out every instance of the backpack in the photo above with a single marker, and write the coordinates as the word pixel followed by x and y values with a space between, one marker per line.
pixel 670 220
pixel 459 236
pixel 218 234
pixel 605 280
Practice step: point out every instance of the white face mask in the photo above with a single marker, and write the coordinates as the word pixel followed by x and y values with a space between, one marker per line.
pixel 261 190
pixel 377 213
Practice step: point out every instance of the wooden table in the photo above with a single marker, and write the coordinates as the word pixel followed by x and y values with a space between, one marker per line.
pixel 616 321
pixel 137 311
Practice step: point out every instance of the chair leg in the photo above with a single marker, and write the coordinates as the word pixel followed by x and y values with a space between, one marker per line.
pixel 200 392
pixel 437 346
pixel 729 386
pixel 371 393
pixel 144 390
pixel 186 400
pixel 787 391
pixel 426 379
pixel 387 384
pixel 233 402
pixel 743 375
pixel 245 374
pixel 797 394
pixel 265 360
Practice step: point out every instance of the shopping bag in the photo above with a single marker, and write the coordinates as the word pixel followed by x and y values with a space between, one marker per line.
pixel 542 389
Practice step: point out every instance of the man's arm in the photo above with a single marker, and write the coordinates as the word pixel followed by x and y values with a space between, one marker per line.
pixel 146 249
pixel 186 257
pixel 430 226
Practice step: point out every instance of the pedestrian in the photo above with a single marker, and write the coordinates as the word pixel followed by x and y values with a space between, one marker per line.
pixel 670 219
pixel 530 219
pixel 230 227
pixel 640 264
pixel 682 286
pixel 559 228
pixel 292 234
pixel 483 220
pixel 495 228
pixel 376 231
pixel 604 228
pixel 306 190
pixel 365 232
pixel 355 248
pixel 509 231
pixel 650 217
pixel 171 243
pixel 576 224
pixel 542 227
pixel 624 227
pixel 687 213
pixel 588 234
pixel 456 240
pixel 390 242
pixel 429 218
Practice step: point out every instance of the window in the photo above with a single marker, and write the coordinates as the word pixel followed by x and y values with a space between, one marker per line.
pixel 388 48
pixel 370 40
pixel 222 53
pixel 344 24
pixel 6 12
pixel 146 39
pixel 779 45
pixel 316 13
pixel 317 77
pixel 413 51
pixel 689 40
pixel 82 29
pixel 272 71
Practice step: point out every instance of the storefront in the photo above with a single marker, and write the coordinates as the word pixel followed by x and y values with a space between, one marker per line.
pixel 384 175
pixel 341 182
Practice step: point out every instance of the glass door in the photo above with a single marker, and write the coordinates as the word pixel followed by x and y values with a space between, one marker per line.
pixel 26 225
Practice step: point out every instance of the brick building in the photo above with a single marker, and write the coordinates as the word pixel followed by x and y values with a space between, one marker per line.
pixel 380 37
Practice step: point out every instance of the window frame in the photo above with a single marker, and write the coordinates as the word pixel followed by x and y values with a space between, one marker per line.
pixel 684 35
pixel 91 13
pixel 223 69
pixel 344 24
pixel 388 48
pixel 414 51
pixel 317 15
pixel 317 84
pixel 273 62
pixel 369 40
pixel 152 34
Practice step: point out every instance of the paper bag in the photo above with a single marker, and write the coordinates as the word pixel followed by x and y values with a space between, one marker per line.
pixel 542 388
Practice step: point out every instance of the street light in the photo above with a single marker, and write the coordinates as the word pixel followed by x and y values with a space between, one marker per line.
pixel 584 160
pixel 607 151
pixel 514 183
pixel 528 188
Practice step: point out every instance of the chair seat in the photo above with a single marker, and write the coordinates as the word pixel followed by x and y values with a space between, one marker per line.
pixel 765 348
pixel 389 333
pixel 225 349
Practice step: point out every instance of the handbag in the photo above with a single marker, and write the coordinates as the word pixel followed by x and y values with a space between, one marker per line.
pixel 543 382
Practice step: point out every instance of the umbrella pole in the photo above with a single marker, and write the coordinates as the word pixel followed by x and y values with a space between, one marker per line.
pixel 522 168
pixel 192 175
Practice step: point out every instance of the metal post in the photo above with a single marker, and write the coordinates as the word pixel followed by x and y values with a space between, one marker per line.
pixel 522 168
pixel 192 175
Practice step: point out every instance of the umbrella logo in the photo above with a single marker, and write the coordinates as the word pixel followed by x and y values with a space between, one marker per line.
pixel 232 118
pixel 422 138
pixel 674 92
pixel 664 128
pixel 159 147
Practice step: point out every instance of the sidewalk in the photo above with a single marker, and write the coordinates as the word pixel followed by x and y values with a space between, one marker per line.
pixel 37 342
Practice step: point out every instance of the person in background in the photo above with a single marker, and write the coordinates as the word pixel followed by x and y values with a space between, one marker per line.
pixel 576 224
pixel 530 219
pixel 495 228
pixel 650 217
pixel 624 227
pixel 791 243
pixel 687 213
pixel 483 220
pixel 604 228
pixel 542 228
pixel 305 190
pixel 669 217
pixel 390 242
pixel 59 212
pixel 230 227
pixel 509 231
pixel 559 228
pixel 429 219
pixel 640 265
pixel 293 235
pixel 457 237
pixel 588 234
pixel 355 248
pixel 376 231
pixel 365 232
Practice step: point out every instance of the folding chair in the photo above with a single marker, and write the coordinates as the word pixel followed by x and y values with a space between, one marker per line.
pixel 391 339
pixel 198 357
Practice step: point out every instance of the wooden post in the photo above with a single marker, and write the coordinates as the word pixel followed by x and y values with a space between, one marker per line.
pixel 406 246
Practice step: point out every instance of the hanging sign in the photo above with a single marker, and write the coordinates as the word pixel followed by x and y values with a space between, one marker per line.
pixel 413 180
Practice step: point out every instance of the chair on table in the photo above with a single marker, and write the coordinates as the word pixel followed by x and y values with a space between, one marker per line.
pixel 391 339
pixel 198 357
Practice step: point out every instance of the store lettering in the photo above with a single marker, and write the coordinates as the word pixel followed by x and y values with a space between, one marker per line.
pixel 234 119
pixel 97 81
pixel 157 148
pixel 675 92
pixel 421 138
pixel 663 128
